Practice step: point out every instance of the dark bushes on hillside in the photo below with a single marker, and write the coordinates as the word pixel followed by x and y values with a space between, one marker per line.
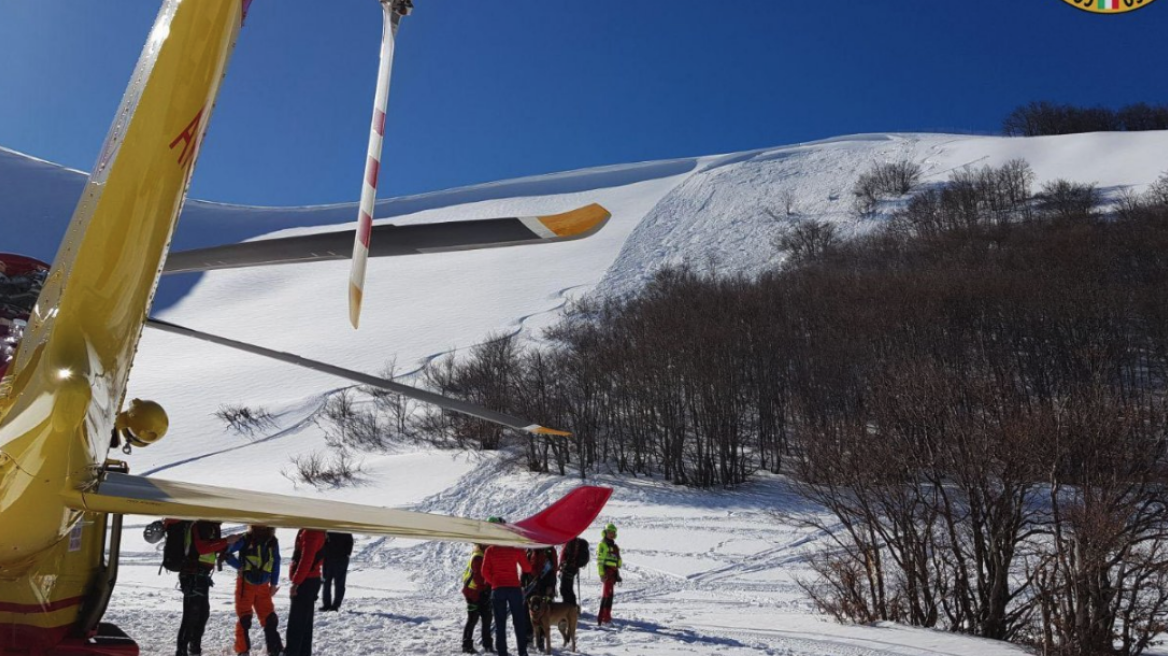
pixel 976 394
pixel 883 181
pixel 807 240
pixel 1047 118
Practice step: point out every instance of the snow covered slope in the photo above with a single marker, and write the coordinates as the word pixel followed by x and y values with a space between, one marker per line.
pixel 709 572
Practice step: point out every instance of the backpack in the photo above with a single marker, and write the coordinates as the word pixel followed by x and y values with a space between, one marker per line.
pixel 579 551
pixel 174 550
pixel 338 545
pixel 178 552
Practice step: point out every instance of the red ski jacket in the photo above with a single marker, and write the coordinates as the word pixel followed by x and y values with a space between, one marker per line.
pixel 499 565
pixel 307 557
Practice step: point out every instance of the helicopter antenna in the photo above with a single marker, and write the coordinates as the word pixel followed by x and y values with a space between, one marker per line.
pixel 392 13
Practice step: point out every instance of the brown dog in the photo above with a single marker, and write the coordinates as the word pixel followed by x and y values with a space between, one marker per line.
pixel 545 613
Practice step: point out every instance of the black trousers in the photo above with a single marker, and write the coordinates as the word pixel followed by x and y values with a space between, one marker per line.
pixel 196 609
pixel 568 587
pixel 335 571
pixel 300 617
pixel 479 610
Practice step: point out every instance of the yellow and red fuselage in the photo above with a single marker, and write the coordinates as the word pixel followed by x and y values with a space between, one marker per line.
pixel 59 397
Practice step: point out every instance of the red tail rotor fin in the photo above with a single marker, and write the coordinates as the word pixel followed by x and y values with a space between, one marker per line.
pixel 567 518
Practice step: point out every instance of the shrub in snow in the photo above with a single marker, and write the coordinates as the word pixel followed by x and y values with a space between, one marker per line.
pixel 884 181
pixel 1065 200
pixel 245 420
pixel 334 469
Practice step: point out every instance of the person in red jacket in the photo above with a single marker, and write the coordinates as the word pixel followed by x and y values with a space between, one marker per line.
pixel 501 567
pixel 544 565
pixel 541 582
pixel 305 577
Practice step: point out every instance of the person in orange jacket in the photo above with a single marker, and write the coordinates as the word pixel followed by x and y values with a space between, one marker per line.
pixel 305 576
pixel 257 557
pixel 501 567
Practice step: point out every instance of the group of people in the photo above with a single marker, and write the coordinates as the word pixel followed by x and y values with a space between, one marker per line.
pixel 195 550
pixel 498 581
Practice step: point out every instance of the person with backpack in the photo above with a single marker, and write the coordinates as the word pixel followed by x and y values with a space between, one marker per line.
pixel 573 558
pixel 477 593
pixel 608 564
pixel 541 582
pixel 192 550
pixel 501 567
pixel 544 565
pixel 257 557
pixel 338 547
pixel 305 575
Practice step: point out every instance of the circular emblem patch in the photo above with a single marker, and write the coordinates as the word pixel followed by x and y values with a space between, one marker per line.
pixel 1109 6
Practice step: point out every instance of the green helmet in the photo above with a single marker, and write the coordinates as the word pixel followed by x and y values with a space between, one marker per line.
pixel 611 528
pixel 496 520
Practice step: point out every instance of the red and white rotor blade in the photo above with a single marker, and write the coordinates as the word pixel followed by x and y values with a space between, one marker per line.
pixel 372 164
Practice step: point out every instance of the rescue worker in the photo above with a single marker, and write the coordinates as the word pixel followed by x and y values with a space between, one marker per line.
pixel 477 593
pixel 257 557
pixel 544 565
pixel 338 547
pixel 501 568
pixel 202 546
pixel 608 564
pixel 305 576
pixel 570 556
pixel 541 582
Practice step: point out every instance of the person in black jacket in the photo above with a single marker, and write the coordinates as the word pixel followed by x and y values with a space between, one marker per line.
pixel 201 545
pixel 572 555
pixel 337 549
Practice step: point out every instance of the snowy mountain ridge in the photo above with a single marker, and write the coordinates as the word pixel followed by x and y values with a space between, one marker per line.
pixel 709 572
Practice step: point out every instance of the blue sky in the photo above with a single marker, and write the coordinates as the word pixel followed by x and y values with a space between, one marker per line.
pixel 484 91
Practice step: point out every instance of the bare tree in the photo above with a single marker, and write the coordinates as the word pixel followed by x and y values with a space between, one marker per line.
pixel 883 181
pixel 807 240
pixel 336 469
pixel 1065 200
pixel 399 409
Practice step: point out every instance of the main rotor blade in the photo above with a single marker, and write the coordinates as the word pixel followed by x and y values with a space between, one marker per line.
pixel 395 240
pixel 391 21
pixel 444 402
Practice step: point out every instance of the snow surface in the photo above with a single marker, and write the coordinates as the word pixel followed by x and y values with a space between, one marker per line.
pixel 708 572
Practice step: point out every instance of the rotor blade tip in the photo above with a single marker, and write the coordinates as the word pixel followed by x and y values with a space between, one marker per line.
pixel 543 430
pixel 578 222
pixel 354 305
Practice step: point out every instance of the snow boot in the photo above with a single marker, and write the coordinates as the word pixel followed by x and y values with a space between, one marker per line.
pixel 468 647
pixel 605 615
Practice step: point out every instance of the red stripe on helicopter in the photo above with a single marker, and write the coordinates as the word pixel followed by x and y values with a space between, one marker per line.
pixel 374 165
pixel 365 229
pixel 9 607
pixel 379 122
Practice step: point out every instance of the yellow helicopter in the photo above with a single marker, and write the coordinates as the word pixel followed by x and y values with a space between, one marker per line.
pixel 66 359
